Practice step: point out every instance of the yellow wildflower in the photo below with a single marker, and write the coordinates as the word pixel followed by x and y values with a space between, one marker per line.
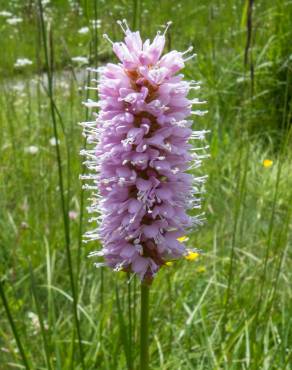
pixel 183 239
pixel 169 263
pixel 267 163
pixel 192 256
pixel 201 269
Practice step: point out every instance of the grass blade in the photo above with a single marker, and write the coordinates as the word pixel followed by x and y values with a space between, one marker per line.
pixel 13 327
pixel 60 175
pixel 123 331
pixel 40 317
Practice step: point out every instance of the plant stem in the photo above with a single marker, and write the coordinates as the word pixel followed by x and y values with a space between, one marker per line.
pixel 144 327
pixel 130 324
pixel 13 327
pixel 40 317
pixel 64 201
pixel 123 329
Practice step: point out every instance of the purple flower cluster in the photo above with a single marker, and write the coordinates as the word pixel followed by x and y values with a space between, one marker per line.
pixel 142 155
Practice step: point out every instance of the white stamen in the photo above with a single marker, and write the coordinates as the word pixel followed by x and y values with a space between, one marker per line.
pixel 88 187
pixel 119 266
pixel 128 140
pixel 175 170
pixel 168 24
pixel 199 112
pixel 193 82
pixel 188 50
pixel 195 87
pixel 197 101
pixel 120 23
pixel 190 57
pixel 105 36
pixel 96 253
pixel 90 104
pixel 126 24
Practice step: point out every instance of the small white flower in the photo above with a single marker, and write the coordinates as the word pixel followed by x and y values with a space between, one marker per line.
pixel 73 215
pixel 36 323
pixel 13 21
pixel 96 23
pixel 63 84
pixel 32 149
pixel 18 88
pixel 24 225
pixel 53 141
pixel 4 349
pixel 83 30
pixel 4 13
pixel 22 62
pixel 48 18
pixel 32 315
pixel 80 60
pixel 239 80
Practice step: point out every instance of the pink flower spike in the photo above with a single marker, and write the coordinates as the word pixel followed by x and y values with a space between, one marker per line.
pixel 141 188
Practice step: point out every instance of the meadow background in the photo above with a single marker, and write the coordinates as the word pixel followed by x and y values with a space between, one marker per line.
pixel 229 309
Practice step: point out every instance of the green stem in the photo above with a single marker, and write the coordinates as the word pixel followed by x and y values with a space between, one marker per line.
pixel 40 317
pixel 64 201
pixel 130 325
pixel 13 327
pixel 144 327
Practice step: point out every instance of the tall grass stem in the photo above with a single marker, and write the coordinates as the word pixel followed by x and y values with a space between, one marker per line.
pixel 13 327
pixel 144 327
pixel 40 317
pixel 64 205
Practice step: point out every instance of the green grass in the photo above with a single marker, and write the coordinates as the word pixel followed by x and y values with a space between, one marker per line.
pixel 231 308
